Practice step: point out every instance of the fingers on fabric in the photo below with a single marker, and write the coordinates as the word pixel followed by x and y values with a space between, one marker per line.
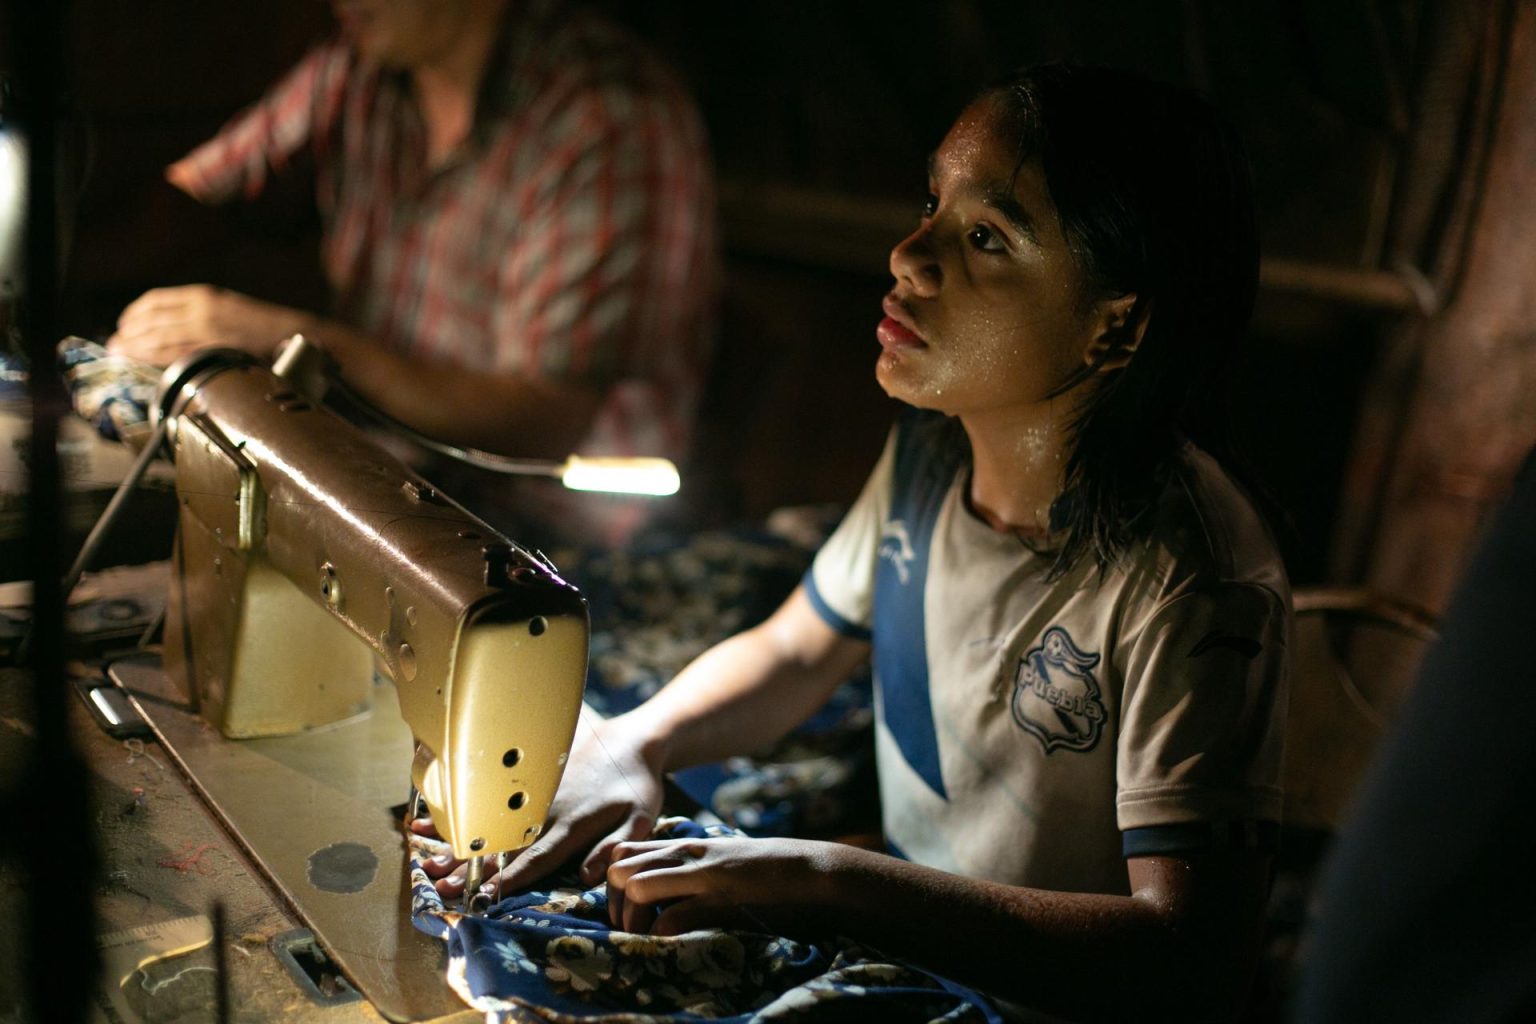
pixel 637 917
pixel 539 859
pixel 616 904
pixel 440 866
pixel 452 883
pixel 137 348
pixel 595 868
pixel 497 883
pixel 643 875
pixel 676 916
pixel 157 345
pixel 708 911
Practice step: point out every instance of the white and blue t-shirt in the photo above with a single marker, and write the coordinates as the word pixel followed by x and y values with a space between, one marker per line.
pixel 1037 733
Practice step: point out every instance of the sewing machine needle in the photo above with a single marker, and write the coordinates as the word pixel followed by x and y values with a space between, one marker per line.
pixel 473 875
pixel 412 808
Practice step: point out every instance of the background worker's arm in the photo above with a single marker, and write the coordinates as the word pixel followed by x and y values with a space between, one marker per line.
pixel 509 413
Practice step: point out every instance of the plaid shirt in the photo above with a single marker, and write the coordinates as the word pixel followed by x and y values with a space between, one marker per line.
pixel 569 238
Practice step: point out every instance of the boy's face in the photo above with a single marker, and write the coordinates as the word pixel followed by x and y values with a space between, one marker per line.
pixel 987 313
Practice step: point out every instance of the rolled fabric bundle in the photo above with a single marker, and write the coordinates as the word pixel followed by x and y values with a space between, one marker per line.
pixel 112 393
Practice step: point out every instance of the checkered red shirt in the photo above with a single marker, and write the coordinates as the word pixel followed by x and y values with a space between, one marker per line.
pixel 570 238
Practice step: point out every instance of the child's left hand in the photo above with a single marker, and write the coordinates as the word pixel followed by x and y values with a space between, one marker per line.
pixel 672 886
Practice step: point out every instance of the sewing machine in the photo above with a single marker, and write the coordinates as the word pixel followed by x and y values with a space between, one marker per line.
pixel 306 558
pixel 306 555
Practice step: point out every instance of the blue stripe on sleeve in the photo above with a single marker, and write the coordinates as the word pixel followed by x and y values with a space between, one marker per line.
pixel 1200 837
pixel 839 624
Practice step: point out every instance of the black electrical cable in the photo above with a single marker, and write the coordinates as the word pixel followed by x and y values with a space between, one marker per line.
pixel 489 461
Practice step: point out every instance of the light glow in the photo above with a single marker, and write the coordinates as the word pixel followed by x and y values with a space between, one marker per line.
pixel 13 204
pixel 652 476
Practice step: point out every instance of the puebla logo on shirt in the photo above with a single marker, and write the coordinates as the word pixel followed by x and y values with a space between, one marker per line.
pixel 1055 695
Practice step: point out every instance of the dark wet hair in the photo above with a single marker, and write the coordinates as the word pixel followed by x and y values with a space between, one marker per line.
pixel 1154 195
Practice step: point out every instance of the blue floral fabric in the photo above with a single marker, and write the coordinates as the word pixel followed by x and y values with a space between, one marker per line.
pixel 111 393
pixel 551 956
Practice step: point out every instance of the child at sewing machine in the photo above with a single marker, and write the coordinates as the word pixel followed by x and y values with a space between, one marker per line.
pixel 1076 618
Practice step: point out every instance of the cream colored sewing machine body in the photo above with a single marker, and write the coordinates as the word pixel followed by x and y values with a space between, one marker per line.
pixel 306 556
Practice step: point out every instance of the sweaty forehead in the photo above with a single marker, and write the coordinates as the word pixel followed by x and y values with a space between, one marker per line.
pixel 979 154
pixel 979 160
pixel 974 150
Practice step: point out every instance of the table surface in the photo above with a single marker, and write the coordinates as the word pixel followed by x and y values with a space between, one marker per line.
pixel 165 857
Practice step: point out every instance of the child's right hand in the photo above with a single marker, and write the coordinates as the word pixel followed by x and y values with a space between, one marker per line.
pixel 610 793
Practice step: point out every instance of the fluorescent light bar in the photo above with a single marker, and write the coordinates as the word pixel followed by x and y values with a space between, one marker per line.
pixel 621 476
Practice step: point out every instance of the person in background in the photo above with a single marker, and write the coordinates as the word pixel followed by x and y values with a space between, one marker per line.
pixel 1077 620
pixel 517 207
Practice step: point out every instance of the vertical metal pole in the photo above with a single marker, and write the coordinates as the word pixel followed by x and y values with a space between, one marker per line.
pixel 60 913
pixel 220 964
